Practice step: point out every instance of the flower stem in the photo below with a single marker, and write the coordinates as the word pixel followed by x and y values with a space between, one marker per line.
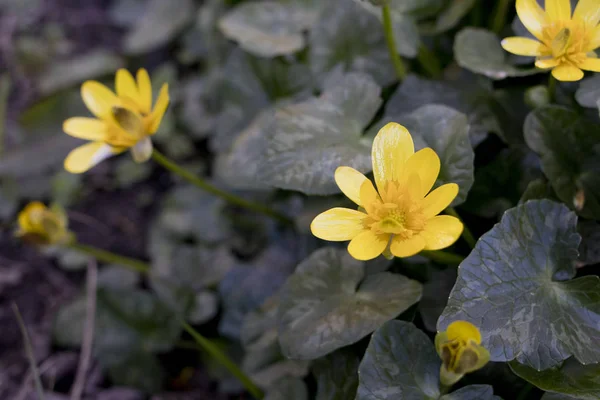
pixel 467 235
pixel 429 62
pixel 391 42
pixel 111 258
pixel 499 19
pixel 218 355
pixel 442 257
pixel 207 187
pixel 552 88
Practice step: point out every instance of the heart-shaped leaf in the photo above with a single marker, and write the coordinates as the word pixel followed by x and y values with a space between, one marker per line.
pixel 446 131
pixel 309 140
pixel 288 389
pixel 479 50
pixel 588 93
pixel 268 28
pixel 571 379
pixel 328 303
pixel 401 363
pixel 336 375
pixel 569 145
pixel 348 37
pixel 450 16
pixel 516 287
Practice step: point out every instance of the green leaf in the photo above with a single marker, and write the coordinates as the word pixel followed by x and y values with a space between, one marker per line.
pixel 288 389
pixel 516 286
pixel 328 303
pixel 349 38
pixel 268 28
pixel 557 396
pixel 571 378
pixel 588 93
pixel 65 74
pixel 400 363
pixel 568 146
pixel 336 375
pixel 250 85
pixel 479 50
pixel 140 370
pixel 117 277
pixel 158 25
pixel 450 16
pixel 472 392
pixel 446 131
pixel 589 249
pixel 435 295
pixel 205 307
pixel 309 140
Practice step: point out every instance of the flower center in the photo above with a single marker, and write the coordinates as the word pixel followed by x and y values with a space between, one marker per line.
pixel 132 127
pixel 566 42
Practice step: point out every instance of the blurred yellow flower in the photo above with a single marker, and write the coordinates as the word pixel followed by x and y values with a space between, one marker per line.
pixel 124 120
pixel 461 352
pixel 41 225
pixel 565 42
pixel 401 216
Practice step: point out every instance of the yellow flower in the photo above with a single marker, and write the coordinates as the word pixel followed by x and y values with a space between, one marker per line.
pixel 124 120
pixel 41 225
pixel 400 216
pixel 461 352
pixel 564 43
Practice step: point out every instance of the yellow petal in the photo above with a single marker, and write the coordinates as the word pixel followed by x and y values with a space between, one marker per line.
pixel 85 157
pixel 558 10
pixel 98 98
pixel 126 86
pixel 24 218
pixel 145 90
pixel 426 164
pixel 407 247
pixel 594 39
pixel 439 199
pixel 532 16
pixel 367 245
pixel 85 128
pixel 391 148
pixel 590 64
pixel 368 194
pixel 338 224
pixel 546 63
pixel 160 108
pixel 349 181
pixel 142 151
pixel 413 187
pixel 464 331
pixel 441 231
pixel 567 73
pixel 522 46
pixel 587 12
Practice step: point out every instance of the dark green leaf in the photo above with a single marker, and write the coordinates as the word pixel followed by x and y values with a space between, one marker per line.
pixel 336 375
pixel 472 392
pixel 479 50
pixel 435 295
pixel 288 389
pixel 589 249
pixel 140 370
pixel 571 378
pixel 349 38
pixel 569 146
pixel 517 287
pixel 454 11
pixel 400 363
pixel 328 303
pixel 446 131
pixel 588 93
pixel 309 140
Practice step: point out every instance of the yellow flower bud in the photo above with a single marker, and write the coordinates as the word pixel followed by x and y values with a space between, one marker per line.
pixel 461 352
pixel 41 225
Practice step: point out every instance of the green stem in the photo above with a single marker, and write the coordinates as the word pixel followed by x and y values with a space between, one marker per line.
pixel 391 43
pixel 30 356
pixel 500 13
pixel 111 258
pixel 442 257
pixel 218 355
pixel 429 62
pixel 207 187
pixel 467 235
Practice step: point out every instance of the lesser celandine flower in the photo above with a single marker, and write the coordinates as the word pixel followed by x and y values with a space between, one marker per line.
pixel 41 225
pixel 564 42
pixel 401 216
pixel 461 352
pixel 124 120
